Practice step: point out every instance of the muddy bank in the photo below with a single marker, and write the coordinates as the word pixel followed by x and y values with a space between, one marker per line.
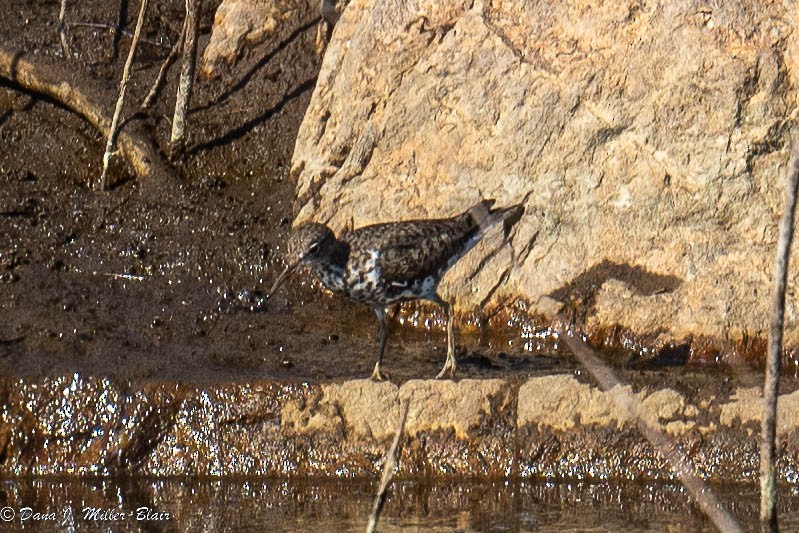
pixel 166 280
pixel 552 426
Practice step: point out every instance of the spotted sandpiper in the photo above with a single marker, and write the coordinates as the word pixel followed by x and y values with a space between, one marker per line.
pixel 393 262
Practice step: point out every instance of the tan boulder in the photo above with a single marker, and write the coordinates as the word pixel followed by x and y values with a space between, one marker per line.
pixel 244 23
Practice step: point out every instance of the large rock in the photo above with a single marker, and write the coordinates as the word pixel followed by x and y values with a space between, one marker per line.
pixel 245 23
pixel 647 140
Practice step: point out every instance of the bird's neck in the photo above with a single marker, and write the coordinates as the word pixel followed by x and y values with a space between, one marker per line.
pixel 332 265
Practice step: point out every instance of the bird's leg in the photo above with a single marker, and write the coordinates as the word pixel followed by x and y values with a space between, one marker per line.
pixel 450 365
pixel 377 375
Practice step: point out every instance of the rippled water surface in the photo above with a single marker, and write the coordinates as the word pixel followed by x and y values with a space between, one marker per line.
pixel 345 505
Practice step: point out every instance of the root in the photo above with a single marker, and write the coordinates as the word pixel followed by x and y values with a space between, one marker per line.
pixel 61 85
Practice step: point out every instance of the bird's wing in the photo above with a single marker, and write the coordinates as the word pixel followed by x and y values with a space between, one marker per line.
pixel 416 249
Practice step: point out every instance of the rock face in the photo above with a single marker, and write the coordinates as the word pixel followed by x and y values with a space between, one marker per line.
pixel 549 426
pixel 647 140
pixel 240 23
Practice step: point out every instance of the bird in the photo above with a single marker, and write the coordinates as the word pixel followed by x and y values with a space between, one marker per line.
pixel 382 264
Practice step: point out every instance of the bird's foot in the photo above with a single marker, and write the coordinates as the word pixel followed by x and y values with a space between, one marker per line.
pixel 378 375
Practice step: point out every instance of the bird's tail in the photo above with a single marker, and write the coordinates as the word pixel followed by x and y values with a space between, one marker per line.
pixel 485 217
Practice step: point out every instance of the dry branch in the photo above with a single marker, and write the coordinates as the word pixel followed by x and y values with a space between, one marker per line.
pixel 123 85
pixel 388 470
pixel 82 98
pixel 768 431
pixel 186 84
pixel 607 380
pixel 62 29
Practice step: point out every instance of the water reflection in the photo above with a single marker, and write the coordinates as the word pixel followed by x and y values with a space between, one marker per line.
pixel 344 505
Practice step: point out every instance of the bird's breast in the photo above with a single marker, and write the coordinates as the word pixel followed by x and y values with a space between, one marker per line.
pixel 364 279
pixel 333 278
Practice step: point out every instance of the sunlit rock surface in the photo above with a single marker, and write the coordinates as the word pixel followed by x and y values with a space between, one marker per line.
pixel 543 427
pixel 240 23
pixel 648 142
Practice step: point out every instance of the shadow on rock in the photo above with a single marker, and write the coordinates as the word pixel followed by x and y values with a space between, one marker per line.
pixel 579 295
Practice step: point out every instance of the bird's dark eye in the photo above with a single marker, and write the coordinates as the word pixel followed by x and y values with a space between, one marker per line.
pixel 312 249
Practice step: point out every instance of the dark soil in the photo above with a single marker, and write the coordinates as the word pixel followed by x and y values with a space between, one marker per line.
pixel 167 280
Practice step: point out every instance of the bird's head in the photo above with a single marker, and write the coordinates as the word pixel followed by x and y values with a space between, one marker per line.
pixel 307 244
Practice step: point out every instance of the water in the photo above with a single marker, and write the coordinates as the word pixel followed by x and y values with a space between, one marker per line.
pixel 345 505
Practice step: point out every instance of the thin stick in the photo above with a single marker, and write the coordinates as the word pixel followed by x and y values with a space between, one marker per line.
pixel 62 29
pixel 682 466
pixel 112 135
pixel 159 80
pixel 186 84
pixel 768 431
pixel 388 470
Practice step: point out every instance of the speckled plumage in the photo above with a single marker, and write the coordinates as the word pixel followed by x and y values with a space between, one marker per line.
pixel 387 263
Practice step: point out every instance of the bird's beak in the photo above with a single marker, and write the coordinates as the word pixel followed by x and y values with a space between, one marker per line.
pixel 281 278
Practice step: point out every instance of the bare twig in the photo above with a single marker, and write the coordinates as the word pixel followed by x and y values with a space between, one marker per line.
pixel 186 84
pixel 388 470
pixel 112 134
pixel 62 30
pixel 159 80
pixel 80 95
pixel 768 431
pixel 682 466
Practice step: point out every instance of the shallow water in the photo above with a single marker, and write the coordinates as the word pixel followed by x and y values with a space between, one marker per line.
pixel 186 328
pixel 345 505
